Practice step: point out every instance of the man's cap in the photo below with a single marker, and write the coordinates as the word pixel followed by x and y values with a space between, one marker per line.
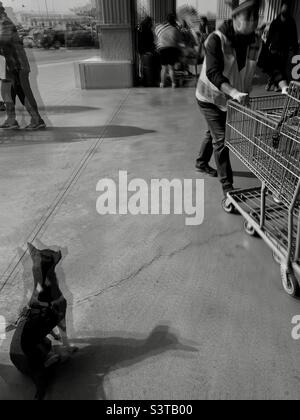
pixel 238 6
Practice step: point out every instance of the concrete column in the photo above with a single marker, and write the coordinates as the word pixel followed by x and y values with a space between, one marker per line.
pixel 115 29
pixel 159 9
pixel 114 68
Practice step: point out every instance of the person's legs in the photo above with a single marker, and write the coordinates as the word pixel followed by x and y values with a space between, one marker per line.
pixel 205 155
pixel 216 120
pixel 164 67
pixel 206 152
pixel 2 104
pixel 27 98
pixel 8 93
pixel 172 74
pixel 163 75
pixel 174 57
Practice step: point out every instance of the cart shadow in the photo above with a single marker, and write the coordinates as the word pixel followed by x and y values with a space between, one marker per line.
pixel 243 174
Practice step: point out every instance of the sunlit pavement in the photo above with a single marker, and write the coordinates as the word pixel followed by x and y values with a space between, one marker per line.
pixel 159 310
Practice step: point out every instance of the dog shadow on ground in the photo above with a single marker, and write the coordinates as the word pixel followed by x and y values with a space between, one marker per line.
pixel 85 376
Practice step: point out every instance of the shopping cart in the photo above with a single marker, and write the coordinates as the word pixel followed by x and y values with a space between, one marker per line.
pixel 266 138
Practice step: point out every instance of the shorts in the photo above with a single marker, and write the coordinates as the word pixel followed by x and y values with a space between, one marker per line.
pixel 169 56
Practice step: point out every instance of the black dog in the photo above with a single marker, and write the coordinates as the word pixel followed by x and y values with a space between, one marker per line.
pixel 31 351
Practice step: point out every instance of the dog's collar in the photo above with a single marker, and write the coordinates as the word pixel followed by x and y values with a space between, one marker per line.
pixel 47 304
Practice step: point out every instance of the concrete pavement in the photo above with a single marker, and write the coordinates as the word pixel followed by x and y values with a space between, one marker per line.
pixel 159 310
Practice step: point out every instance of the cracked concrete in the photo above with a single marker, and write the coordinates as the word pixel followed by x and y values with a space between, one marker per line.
pixel 155 259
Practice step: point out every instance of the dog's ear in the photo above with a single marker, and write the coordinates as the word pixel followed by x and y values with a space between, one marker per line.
pixel 57 257
pixel 32 250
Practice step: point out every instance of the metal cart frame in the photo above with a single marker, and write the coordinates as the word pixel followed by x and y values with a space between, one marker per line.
pixel 266 138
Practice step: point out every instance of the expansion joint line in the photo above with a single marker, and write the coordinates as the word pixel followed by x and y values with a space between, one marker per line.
pixel 58 201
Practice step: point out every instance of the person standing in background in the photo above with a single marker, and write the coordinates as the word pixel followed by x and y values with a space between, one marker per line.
pixel 202 37
pixel 146 43
pixel 168 45
pixel 282 41
pixel 149 63
pixel 2 76
pixel 189 50
pixel 17 77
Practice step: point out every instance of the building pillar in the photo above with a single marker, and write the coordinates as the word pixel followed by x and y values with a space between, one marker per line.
pixel 114 66
pixel 115 29
pixel 159 9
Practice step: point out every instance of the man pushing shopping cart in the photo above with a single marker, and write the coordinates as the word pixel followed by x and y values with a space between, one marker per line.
pixel 232 54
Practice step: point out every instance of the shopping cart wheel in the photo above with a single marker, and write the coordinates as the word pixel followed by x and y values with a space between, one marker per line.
pixel 289 281
pixel 227 206
pixel 249 229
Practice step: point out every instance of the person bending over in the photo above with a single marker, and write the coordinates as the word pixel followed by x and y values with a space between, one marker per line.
pixel 232 53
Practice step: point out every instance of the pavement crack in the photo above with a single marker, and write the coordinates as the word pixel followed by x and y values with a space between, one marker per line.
pixel 179 250
pixel 120 282
pixel 219 236
pixel 146 265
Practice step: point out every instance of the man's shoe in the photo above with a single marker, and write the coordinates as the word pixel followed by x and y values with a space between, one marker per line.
pixel 228 189
pixel 207 170
pixel 10 125
pixel 36 125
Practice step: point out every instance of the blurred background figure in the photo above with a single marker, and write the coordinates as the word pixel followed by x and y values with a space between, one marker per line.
pixel 189 47
pixel 146 43
pixel 17 76
pixel 202 37
pixel 168 38
pixel 2 76
pixel 282 42
pixel 149 65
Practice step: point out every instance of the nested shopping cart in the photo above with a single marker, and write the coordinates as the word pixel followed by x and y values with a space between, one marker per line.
pixel 266 137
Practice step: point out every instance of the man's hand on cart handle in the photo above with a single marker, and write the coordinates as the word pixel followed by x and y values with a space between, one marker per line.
pixel 284 87
pixel 240 97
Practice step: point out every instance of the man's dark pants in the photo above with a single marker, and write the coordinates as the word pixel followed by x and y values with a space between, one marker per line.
pixel 214 142
pixel 20 87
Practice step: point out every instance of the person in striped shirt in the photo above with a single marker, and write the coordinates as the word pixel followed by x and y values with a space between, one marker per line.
pixel 168 40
